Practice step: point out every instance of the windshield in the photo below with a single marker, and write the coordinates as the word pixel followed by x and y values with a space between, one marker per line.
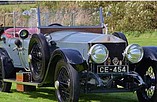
pixel 65 17
pixel 68 17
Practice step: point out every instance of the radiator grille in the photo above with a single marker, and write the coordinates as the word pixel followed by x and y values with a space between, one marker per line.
pixel 115 52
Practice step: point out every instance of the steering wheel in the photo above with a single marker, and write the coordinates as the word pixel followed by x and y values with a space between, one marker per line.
pixel 55 24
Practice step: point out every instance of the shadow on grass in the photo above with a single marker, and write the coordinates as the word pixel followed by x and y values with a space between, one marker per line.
pixel 108 97
pixel 49 93
pixel 44 93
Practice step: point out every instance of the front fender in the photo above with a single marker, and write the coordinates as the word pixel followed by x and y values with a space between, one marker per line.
pixel 150 52
pixel 71 56
pixel 149 59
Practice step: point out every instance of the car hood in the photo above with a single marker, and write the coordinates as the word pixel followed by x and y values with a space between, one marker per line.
pixel 84 37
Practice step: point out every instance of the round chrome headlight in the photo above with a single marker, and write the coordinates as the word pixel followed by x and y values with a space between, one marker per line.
pixel 134 53
pixel 98 53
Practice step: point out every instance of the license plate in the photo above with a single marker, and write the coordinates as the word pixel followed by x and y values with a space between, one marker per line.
pixel 112 69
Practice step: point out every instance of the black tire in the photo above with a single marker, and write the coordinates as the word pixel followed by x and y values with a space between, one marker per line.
pixel 121 35
pixel 68 79
pixel 149 75
pixel 40 54
pixel 5 63
pixel 4 86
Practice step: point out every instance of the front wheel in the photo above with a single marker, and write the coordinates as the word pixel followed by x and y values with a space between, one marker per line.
pixel 149 75
pixel 66 82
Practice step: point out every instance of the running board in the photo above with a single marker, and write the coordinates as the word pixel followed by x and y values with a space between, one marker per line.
pixel 23 83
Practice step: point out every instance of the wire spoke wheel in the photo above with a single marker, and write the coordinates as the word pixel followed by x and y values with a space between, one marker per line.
pixel 1 81
pixel 4 86
pixel 148 93
pixel 36 58
pixel 66 82
pixel 39 56
pixel 151 88
pixel 64 87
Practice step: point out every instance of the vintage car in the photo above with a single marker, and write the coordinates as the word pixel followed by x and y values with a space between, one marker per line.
pixel 77 59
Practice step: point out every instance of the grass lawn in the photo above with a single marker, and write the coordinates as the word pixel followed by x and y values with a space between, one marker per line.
pixel 147 39
pixel 47 94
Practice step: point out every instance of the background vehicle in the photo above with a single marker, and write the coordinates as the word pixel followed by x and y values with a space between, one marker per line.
pixel 76 59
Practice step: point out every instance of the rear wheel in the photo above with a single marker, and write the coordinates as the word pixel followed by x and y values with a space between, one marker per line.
pixel 4 86
pixel 149 75
pixel 66 82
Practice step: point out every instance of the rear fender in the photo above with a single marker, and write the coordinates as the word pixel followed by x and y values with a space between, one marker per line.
pixel 71 56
